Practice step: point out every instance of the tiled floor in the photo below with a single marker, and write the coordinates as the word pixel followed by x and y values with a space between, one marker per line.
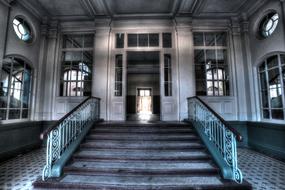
pixel 263 172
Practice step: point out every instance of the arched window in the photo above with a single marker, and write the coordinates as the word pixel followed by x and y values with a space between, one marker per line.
pixel 22 29
pixel 271 85
pixel 15 89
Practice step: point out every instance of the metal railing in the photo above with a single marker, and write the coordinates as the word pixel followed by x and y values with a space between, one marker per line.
pixel 62 137
pixel 219 136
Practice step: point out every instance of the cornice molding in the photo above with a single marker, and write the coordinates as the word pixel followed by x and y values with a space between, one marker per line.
pixel 34 8
pixel 6 2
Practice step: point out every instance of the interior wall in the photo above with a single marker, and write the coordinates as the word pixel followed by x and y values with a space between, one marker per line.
pixel 261 48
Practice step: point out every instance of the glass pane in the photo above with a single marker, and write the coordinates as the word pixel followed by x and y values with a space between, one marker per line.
pixel 132 40
pixel 263 82
pixel 6 71
pixel 153 40
pixel 276 98
pixel 266 114
pixel 210 88
pixel 264 95
pixel 282 59
pixel 277 114
pixel 88 40
pixel 201 88
pixel 168 89
pixel 167 40
pixel 221 39
pixel 17 74
pixel 67 41
pixel 14 114
pixel 200 72
pixel 73 88
pixel 3 114
pixel 221 57
pixel 198 39
pixel 143 40
pixel 118 89
pixel 210 56
pixel 25 113
pixel 87 88
pixel 15 98
pixel 3 97
pixel 274 78
pixel 272 62
pixel 199 57
pixel 120 40
pixel 210 39
pixel 221 88
pixel 262 67
pixel 77 41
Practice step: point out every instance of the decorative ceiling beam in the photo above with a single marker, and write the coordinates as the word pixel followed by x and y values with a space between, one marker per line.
pixel 197 6
pixel 7 2
pixel 176 5
pixel 34 8
pixel 89 7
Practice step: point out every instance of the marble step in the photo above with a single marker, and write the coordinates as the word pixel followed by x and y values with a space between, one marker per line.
pixel 155 145
pixel 75 181
pixel 141 155
pixel 142 130
pixel 137 137
pixel 140 167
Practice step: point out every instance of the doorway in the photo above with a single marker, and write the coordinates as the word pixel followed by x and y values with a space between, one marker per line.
pixel 143 86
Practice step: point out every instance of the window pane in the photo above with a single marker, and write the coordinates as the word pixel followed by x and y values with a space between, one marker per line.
pixel 276 98
pixel 221 56
pixel 201 88
pixel 167 40
pixel 274 78
pixel 88 40
pixel 264 95
pixel 153 40
pixel 221 39
pixel 118 75
pixel 210 88
pixel 15 98
pixel 3 114
pixel 262 67
pixel 198 39
pixel 266 114
pixel 87 88
pixel 211 56
pixel 200 72
pixel 6 71
pixel 25 114
pixel 277 114
pixel 120 40
pixel 199 56
pixel 282 59
pixel 263 82
pixel 3 97
pixel 167 75
pixel 210 39
pixel 132 40
pixel 14 114
pixel 143 40
pixel 272 62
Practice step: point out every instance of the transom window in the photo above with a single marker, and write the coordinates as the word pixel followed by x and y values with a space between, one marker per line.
pixel 268 24
pixel 76 66
pixel 143 40
pixel 272 80
pixel 15 89
pixel 211 67
pixel 22 29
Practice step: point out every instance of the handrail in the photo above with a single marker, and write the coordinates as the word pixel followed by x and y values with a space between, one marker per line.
pixel 48 130
pixel 65 136
pixel 237 134
pixel 218 136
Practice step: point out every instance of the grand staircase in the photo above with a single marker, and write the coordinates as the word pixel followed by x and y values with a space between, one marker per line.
pixel 141 156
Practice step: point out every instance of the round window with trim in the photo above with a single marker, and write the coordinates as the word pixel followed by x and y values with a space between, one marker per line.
pixel 22 29
pixel 268 24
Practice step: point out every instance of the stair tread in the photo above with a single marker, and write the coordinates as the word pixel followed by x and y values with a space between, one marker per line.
pixel 143 165
pixel 142 180
pixel 141 137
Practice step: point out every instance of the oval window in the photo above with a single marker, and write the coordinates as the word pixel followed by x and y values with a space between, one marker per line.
pixel 268 24
pixel 22 29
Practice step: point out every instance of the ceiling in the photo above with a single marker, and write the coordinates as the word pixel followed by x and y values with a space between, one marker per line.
pixel 89 9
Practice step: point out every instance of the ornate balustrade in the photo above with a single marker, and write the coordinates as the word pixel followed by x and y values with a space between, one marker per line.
pixel 219 137
pixel 64 137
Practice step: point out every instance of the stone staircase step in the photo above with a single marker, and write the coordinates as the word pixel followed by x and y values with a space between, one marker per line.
pixel 141 155
pixel 155 145
pixel 137 137
pixel 141 183
pixel 141 167
pixel 142 130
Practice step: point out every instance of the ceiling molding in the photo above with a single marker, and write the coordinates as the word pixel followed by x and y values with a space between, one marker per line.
pixel 251 8
pixel 108 10
pixel 198 5
pixel 176 5
pixel 6 2
pixel 89 7
pixel 34 8
pixel 143 16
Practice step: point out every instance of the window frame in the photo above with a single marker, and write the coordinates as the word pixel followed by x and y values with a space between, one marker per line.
pixel 260 90
pixel 9 89
pixel 227 92
pixel 63 50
